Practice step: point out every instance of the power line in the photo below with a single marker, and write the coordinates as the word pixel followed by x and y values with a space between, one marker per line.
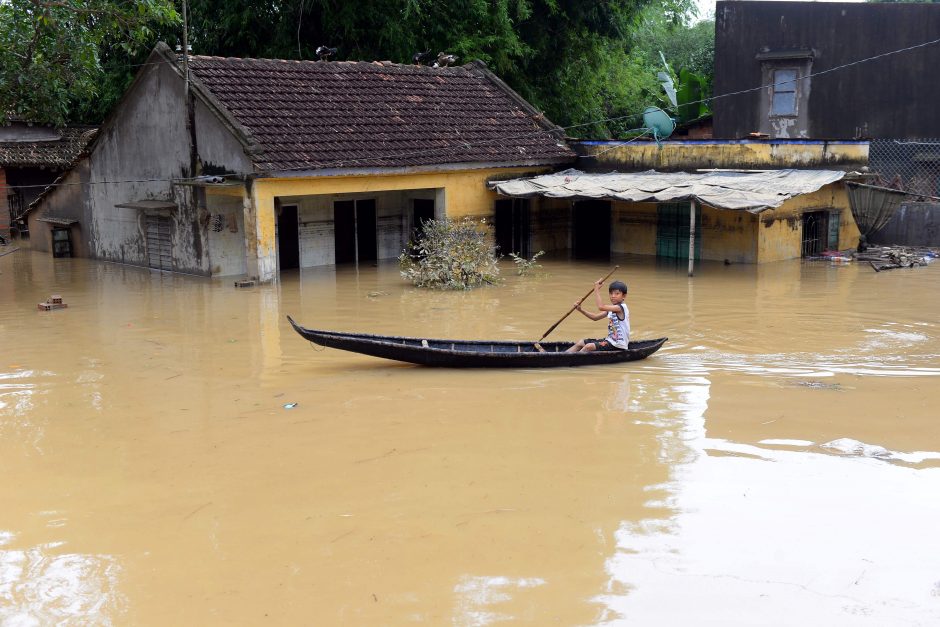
pixel 464 145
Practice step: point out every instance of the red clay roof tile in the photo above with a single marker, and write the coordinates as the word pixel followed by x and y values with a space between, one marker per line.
pixel 343 114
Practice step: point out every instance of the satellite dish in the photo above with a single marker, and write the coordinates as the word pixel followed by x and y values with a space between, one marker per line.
pixel 658 122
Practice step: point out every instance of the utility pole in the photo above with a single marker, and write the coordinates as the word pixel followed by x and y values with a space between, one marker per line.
pixel 185 53
pixel 692 237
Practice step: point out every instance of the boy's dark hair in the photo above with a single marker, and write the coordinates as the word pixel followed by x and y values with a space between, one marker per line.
pixel 618 285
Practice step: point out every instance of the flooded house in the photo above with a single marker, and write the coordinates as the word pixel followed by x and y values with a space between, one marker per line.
pixel 754 201
pixel 252 166
pixel 31 157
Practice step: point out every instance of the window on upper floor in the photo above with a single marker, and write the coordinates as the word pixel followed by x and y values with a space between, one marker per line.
pixel 784 92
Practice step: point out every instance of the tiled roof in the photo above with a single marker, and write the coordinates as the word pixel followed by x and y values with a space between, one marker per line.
pixel 321 114
pixel 55 154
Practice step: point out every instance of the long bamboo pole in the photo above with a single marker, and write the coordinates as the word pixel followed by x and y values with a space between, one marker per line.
pixel 552 328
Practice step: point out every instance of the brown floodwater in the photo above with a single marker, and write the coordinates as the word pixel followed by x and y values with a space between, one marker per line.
pixel 776 463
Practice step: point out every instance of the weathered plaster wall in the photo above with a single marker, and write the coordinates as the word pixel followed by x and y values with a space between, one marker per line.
pixel 68 200
pixel 226 246
pixel 729 235
pixel 145 141
pixel 220 151
pixel 781 230
pixel 691 155
pixel 458 194
pixel 725 235
pixel 876 97
pixel 634 228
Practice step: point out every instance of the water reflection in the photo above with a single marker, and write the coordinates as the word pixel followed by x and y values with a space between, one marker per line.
pixel 783 437
pixel 44 585
pixel 791 537
pixel 478 599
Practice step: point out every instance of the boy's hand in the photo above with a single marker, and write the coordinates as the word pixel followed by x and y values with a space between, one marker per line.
pixel 598 284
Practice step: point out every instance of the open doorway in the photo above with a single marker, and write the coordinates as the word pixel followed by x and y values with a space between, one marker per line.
pixel 815 233
pixel 422 211
pixel 288 238
pixel 591 229
pixel 512 226
pixel 354 224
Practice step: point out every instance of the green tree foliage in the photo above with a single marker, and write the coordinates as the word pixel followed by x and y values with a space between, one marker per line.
pixel 450 255
pixel 580 61
pixel 51 53
pixel 688 50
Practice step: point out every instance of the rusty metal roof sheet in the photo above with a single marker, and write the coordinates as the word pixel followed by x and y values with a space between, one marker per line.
pixel 750 191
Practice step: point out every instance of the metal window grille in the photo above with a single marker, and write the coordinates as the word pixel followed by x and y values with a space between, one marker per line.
pixel 15 204
pixel 910 165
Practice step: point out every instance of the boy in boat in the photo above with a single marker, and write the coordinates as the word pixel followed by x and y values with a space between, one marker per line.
pixel 618 320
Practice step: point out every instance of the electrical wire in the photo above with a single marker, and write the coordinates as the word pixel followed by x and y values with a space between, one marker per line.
pixel 463 145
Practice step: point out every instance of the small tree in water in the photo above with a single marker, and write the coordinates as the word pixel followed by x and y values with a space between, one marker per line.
pixel 450 255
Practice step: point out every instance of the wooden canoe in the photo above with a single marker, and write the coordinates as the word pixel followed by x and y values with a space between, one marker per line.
pixel 473 353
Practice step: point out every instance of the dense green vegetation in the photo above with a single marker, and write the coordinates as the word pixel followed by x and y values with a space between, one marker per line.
pixel 581 61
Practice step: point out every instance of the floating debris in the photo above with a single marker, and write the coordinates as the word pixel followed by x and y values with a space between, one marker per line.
pixel 819 385
pixel 848 446
pixel 245 283
pixel 893 257
pixel 290 405
pixel 54 302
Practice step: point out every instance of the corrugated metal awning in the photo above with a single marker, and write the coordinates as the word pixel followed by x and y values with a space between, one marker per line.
pixel 748 191
pixel 58 221
pixel 147 204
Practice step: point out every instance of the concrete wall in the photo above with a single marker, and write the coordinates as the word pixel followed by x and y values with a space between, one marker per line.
pixel 69 200
pixel 781 230
pixel 457 194
pixel 138 153
pixel 634 228
pixel 737 236
pixel 691 155
pixel 317 235
pixel 219 150
pixel 145 140
pixel 873 99
pixel 914 224
pixel 730 235
pixel 227 246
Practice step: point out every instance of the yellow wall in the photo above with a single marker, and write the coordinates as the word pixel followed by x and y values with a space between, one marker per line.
pixel 633 228
pixel 738 236
pixel 689 155
pixel 465 191
pixel 781 230
pixel 465 194
pixel 727 235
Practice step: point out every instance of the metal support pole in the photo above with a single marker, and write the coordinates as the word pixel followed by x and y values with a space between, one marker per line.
pixel 692 238
pixel 185 53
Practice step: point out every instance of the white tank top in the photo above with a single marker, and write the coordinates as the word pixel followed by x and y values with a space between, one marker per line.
pixel 618 331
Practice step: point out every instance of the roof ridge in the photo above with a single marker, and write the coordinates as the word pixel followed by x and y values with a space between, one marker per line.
pixel 317 62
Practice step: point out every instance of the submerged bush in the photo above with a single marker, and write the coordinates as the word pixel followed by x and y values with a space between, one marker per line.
pixel 450 255
pixel 525 266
